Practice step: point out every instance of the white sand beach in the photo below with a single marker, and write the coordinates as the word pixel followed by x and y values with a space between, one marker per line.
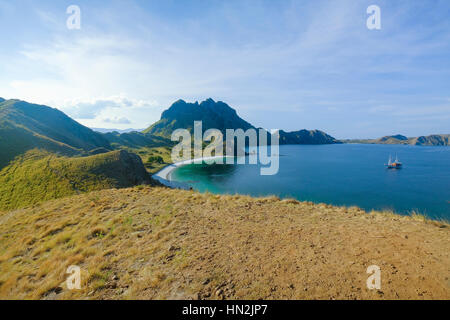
pixel 164 175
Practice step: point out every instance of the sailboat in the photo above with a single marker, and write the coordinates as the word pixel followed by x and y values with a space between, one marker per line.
pixel 396 164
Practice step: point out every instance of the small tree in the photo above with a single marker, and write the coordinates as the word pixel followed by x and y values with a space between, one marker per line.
pixel 157 159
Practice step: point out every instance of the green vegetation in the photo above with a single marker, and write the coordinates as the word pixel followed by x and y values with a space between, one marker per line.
pixel 39 175
pixel 155 151
pixel 25 126
pixel 145 153
pixel 136 140
pixel 15 141
pixel 44 154
pixel 182 115
pixel 155 159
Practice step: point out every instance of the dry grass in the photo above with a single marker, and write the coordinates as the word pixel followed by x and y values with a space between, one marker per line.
pixel 158 243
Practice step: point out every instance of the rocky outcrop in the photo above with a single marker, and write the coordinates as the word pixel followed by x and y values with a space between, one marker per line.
pixel 132 169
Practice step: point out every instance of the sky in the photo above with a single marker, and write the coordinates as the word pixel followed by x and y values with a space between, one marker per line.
pixel 281 64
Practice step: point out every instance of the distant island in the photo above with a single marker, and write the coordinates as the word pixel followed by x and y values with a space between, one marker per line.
pixel 431 140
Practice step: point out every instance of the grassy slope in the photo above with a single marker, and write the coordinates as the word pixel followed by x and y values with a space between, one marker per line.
pixel 158 243
pixel 25 126
pixel 15 141
pixel 38 176
pixel 145 146
pixel 51 123
pixel 152 166
pixel 27 177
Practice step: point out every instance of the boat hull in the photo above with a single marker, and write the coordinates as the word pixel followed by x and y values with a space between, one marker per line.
pixel 394 166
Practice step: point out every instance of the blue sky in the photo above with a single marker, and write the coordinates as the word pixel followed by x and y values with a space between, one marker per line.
pixel 281 64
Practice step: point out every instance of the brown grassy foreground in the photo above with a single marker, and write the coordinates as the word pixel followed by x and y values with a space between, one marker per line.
pixel 158 243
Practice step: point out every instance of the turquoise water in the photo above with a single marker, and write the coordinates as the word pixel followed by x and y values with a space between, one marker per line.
pixel 347 174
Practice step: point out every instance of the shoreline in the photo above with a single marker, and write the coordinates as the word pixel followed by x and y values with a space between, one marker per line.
pixel 164 175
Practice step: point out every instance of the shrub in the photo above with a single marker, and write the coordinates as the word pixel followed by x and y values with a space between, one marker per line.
pixel 157 159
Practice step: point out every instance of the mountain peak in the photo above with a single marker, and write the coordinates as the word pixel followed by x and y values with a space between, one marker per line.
pixel 179 101
pixel 221 116
pixel 181 115
pixel 208 101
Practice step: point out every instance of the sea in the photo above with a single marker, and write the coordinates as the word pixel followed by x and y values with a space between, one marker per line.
pixel 340 174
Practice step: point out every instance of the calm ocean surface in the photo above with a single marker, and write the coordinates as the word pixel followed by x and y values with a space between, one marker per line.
pixel 347 174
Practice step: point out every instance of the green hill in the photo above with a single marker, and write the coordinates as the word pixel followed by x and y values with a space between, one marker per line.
pixel 39 175
pixel 306 137
pixel 136 140
pixel 24 126
pixel 221 116
pixel 182 115
pixel 44 154
pixel 149 147
pixel 16 140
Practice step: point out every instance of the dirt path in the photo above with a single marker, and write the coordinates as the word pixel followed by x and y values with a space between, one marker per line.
pixel 161 243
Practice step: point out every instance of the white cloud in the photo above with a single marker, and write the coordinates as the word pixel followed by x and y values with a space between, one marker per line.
pixel 308 57
pixel 93 108
pixel 117 120
pixel 84 77
pixel 119 110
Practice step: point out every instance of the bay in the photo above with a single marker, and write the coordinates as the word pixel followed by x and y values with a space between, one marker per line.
pixel 343 174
